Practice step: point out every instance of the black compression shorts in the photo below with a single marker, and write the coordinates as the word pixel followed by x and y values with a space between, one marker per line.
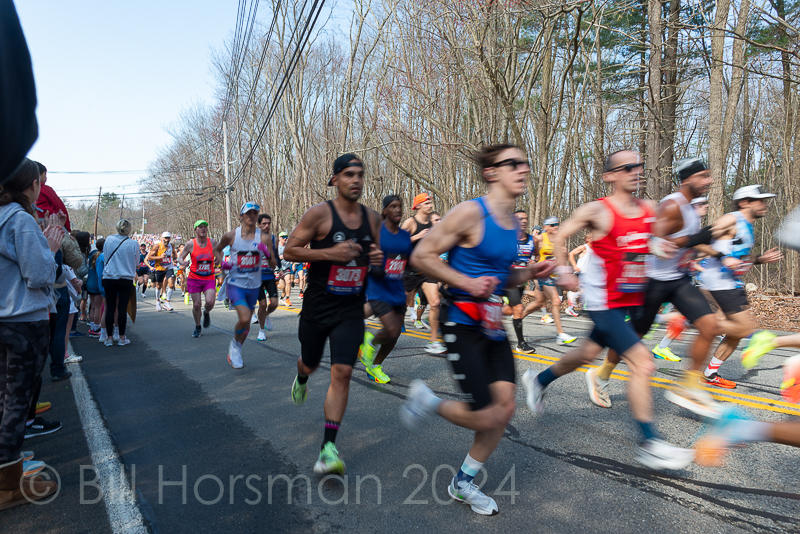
pixel 345 339
pixel 731 301
pixel 413 281
pixel 686 298
pixel 381 308
pixel 477 362
pixel 269 288
pixel 514 295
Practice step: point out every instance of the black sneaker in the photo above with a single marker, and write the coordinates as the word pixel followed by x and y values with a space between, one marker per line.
pixel 62 376
pixel 524 347
pixel 206 319
pixel 196 332
pixel 40 427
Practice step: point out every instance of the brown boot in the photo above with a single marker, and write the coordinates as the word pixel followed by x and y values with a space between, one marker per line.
pixel 32 489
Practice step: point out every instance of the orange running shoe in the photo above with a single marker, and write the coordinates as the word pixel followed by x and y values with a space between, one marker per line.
pixel 288 302
pixel 716 380
pixel 790 387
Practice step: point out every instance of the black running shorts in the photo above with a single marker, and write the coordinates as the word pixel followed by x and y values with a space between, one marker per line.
pixel 514 295
pixel 477 361
pixel 345 339
pixel 413 281
pixel 161 275
pixel 269 288
pixel 731 301
pixel 381 308
pixel 686 298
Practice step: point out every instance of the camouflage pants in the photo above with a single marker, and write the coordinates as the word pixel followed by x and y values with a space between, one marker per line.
pixel 23 353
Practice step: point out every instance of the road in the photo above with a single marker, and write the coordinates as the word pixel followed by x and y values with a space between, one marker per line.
pixel 177 413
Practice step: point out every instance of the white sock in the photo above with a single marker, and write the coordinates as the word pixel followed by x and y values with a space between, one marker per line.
pixel 751 430
pixel 713 366
pixel 169 294
pixel 102 330
pixel 116 330
pixel 664 343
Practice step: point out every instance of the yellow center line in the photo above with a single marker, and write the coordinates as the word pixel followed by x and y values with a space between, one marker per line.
pixel 752 401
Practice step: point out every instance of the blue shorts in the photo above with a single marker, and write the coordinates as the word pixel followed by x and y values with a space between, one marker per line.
pixel 547 281
pixel 612 331
pixel 239 296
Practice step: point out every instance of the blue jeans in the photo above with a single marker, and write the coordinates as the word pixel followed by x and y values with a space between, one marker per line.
pixel 58 333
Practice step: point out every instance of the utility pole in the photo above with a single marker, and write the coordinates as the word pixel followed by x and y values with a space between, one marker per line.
pixel 97 212
pixel 227 177
pixel 143 219
pixel 120 206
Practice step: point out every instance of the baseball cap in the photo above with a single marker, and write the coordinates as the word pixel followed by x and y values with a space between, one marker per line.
pixel 249 206
pixel 419 199
pixel 166 234
pixel 343 162
pixel 699 200
pixel 751 191
pixel 550 220
pixel 689 166
pixel 538 228
pixel 198 223
pixel 283 234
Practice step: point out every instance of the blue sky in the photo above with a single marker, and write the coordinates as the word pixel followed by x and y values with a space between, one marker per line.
pixel 110 76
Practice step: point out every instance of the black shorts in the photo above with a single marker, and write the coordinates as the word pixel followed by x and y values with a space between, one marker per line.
pixel 268 288
pixel 153 276
pixel 346 338
pixel 381 308
pixel 477 362
pixel 686 298
pixel 413 281
pixel 141 271
pixel 161 275
pixel 514 295
pixel 731 301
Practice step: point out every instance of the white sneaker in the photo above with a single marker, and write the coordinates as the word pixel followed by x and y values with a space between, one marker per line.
pixel 254 319
pixel 658 454
pixel 262 335
pixel 422 325
pixel 235 355
pixel 535 391
pixel 598 389
pixel 435 347
pixel 167 306
pixel 469 493
pixel 109 342
pixel 158 304
pixel 546 319
pixel 103 336
pixel 565 339
pixel 695 400
pixel 124 341
pixel 414 412
pixel 73 359
pixel 268 324
pixel 115 336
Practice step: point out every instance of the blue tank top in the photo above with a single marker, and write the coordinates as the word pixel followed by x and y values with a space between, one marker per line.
pixel 396 251
pixel 492 257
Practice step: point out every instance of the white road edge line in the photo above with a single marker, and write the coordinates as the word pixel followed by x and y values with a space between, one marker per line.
pixel 123 512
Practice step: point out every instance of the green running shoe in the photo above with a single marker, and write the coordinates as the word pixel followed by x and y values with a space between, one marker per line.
pixel 760 344
pixel 376 372
pixel 366 353
pixel 329 461
pixel 652 331
pixel 299 392
pixel 666 354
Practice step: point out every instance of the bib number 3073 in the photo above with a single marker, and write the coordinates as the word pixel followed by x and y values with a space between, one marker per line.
pixel 346 280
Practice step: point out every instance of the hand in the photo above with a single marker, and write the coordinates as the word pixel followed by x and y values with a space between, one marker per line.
pixel 77 284
pixel 54 235
pixel 226 265
pixel 482 287
pixel 662 248
pixel 344 252
pixel 61 217
pixel 773 255
pixel 264 249
pixel 375 255
pixel 577 270
pixel 568 281
pixel 421 234
pixel 731 263
pixel 542 269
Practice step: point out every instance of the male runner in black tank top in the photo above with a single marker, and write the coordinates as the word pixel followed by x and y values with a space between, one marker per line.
pixel 418 226
pixel 344 238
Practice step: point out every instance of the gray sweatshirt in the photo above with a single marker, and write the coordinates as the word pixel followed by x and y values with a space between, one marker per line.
pixel 27 267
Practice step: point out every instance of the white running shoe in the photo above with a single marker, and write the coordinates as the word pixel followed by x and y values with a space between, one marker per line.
pixel 115 336
pixel 422 325
pixel 435 347
pixel 254 319
pixel 268 325
pixel 109 342
pixel 73 359
pixel 167 306
pixel 695 400
pixel 262 335
pixel 103 336
pixel 124 341
pixel 235 355
pixel 570 311
pixel 535 391
pixel 546 319
pixel 158 305
pixel 414 412
pixel 598 389
pixel 470 494
pixel 658 454
pixel 565 339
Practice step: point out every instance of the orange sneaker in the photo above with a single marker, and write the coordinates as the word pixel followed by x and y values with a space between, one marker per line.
pixel 716 380
pixel 288 302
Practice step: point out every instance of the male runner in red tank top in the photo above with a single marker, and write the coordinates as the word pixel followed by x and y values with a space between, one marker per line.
pixel 613 282
pixel 201 279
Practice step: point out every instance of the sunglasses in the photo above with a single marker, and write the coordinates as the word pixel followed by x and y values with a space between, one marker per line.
pixel 628 167
pixel 513 163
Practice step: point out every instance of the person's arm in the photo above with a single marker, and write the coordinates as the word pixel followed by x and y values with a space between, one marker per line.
pixel 151 254
pixel 575 252
pixel 35 251
pixel 226 240
pixel 308 229
pixel 186 251
pixel 773 255
pixel 454 229
pixel 409 225
pixel 375 253
pixel 590 216
pixel 266 240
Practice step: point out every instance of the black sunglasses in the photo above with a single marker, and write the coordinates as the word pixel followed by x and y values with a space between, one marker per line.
pixel 513 163
pixel 628 167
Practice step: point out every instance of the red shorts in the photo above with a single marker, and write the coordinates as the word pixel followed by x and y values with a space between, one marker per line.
pixel 195 285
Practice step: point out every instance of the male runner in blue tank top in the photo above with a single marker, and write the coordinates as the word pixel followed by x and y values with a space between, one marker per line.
pixel 481 236
pixel 386 296
pixel 345 242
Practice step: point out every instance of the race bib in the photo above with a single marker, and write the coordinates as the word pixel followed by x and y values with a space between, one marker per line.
pixel 685 261
pixel 632 278
pixel 264 263
pixel 204 267
pixel 395 267
pixel 247 262
pixel 491 313
pixel 346 280
pixel 166 262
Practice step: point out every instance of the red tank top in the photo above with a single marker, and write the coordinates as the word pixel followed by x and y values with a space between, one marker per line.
pixel 623 252
pixel 202 267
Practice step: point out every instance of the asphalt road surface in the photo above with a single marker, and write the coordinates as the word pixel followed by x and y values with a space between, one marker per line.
pixel 212 449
